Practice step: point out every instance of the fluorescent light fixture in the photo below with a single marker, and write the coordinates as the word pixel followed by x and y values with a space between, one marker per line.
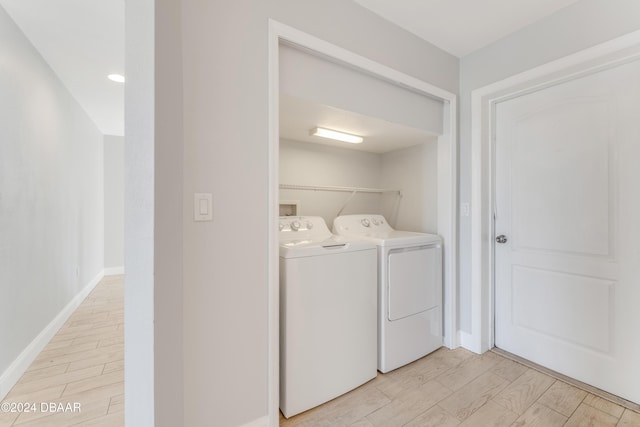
pixel 118 78
pixel 334 134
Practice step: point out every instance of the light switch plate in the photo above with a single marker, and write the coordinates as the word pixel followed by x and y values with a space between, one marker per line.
pixel 202 207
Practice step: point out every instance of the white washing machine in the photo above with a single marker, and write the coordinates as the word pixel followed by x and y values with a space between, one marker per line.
pixel 328 311
pixel 409 288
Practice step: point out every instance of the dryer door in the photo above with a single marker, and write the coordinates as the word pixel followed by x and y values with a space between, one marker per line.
pixel 414 280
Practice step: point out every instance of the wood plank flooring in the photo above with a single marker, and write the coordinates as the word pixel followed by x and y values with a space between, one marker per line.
pixel 83 365
pixel 458 388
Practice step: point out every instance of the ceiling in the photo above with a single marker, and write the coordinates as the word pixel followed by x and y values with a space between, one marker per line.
pixel 463 26
pixel 83 40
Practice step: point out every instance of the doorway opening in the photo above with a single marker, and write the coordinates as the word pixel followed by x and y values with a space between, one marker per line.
pixel 488 239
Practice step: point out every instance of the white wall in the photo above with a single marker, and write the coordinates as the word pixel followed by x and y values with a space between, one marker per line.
pixel 51 195
pixel 114 204
pixel 414 170
pixel 579 26
pixel 304 163
pixel 324 82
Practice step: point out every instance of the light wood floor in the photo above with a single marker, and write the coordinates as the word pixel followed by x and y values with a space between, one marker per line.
pixel 459 388
pixel 83 364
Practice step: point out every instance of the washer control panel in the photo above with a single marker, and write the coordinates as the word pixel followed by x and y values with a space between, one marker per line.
pixel 302 227
pixel 296 224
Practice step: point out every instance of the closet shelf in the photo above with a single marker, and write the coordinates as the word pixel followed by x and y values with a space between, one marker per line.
pixel 339 189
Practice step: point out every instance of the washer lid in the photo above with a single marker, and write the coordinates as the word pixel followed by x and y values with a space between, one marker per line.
pixel 330 246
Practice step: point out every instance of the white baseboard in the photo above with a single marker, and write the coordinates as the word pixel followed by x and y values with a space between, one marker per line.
pixel 260 422
pixel 12 374
pixel 467 341
pixel 113 271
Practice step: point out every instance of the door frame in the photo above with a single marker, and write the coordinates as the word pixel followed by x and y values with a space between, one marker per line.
pixel 447 181
pixel 606 55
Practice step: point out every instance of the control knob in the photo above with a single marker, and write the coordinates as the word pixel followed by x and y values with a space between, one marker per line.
pixel 295 225
pixel 365 222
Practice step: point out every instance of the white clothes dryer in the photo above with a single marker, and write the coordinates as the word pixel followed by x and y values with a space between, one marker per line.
pixel 409 288
pixel 327 314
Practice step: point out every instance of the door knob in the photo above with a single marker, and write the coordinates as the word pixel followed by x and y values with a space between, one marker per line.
pixel 501 239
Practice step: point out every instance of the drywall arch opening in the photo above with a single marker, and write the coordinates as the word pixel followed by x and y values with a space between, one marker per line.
pixel 283 36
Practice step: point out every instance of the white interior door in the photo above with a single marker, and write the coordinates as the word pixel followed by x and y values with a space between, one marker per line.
pixel 567 279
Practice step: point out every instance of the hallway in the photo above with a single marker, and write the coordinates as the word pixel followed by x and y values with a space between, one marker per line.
pixel 78 379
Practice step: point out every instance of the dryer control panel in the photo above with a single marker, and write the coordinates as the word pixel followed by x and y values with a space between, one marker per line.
pixel 361 224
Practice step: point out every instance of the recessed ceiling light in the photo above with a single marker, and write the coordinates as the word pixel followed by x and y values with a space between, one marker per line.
pixel 118 78
pixel 334 134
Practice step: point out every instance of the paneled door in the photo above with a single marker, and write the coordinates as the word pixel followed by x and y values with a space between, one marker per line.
pixel 567 228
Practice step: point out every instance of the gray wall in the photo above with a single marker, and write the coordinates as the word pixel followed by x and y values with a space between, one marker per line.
pixel 153 214
pixel 113 201
pixel 577 27
pixel 226 146
pixel 216 346
pixel 220 347
pixel 51 194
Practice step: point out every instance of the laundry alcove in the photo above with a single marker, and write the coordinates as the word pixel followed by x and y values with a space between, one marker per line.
pixel 407 173
pixel 394 172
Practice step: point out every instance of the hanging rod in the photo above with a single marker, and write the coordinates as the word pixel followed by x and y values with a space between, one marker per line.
pixel 339 189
